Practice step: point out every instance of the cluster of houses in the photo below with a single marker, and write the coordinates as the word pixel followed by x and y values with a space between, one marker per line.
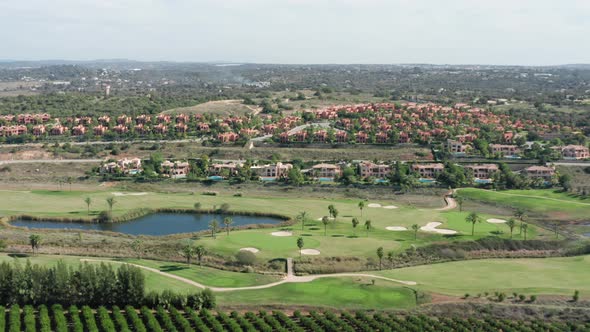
pixel 379 172
pixel 568 152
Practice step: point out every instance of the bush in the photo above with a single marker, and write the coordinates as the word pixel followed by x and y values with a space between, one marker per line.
pixel 245 257
pixel 224 207
pixel 210 193
pixel 576 296
pixel 533 298
pixel 105 216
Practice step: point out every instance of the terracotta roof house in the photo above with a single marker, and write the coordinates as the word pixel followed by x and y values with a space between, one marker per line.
pixel 326 171
pixel 575 152
pixel 362 137
pixel 428 171
pixel 175 170
pixel 228 137
pixel 544 172
pixel 484 171
pixel 505 149
pixel 370 169
pixel 273 171
pixel 78 130
pixel 39 130
pixel 57 130
pixel 100 130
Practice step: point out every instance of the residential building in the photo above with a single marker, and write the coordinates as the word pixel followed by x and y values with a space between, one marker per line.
pixel 326 171
pixel 369 169
pixel 483 171
pixel 276 171
pixel 575 152
pixel 175 170
pixel 544 172
pixel 505 149
pixel 428 171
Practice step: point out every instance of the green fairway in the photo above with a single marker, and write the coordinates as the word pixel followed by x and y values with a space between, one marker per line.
pixel 153 281
pixel 207 276
pixel 341 293
pixel 531 276
pixel 547 202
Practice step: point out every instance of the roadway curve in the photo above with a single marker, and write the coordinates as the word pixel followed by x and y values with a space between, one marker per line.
pixel 290 278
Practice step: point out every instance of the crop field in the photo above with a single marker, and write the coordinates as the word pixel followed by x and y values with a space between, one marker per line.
pixel 57 318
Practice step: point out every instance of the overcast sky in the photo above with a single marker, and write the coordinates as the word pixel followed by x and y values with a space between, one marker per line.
pixel 526 32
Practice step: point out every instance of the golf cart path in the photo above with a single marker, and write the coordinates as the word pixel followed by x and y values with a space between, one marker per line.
pixel 450 201
pixel 290 278
pixel 539 197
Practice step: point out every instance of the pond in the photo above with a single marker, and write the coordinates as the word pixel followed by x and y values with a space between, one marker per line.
pixel 154 224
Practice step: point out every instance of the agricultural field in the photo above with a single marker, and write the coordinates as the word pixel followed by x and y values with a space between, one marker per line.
pixel 44 318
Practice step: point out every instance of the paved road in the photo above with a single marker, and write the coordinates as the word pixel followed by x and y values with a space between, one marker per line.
pixel 569 164
pixel 288 279
pixel 196 140
pixel 296 130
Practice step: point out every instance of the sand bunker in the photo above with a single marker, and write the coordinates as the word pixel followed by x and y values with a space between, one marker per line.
pixel 329 218
pixel 374 205
pixel 390 207
pixel 281 233
pixel 129 194
pixel 432 227
pixel 252 250
pixel 396 228
pixel 496 221
pixel 310 252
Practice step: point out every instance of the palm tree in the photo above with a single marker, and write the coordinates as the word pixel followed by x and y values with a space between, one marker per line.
pixel 355 223
pixel 556 228
pixel 524 228
pixel 368 226
pixel 473 218
pixel 390 256
pixel 34 241
pixel 137 246
pixel 511 223
pixel 361 207
pixel 188 251
pixel 111 201
pixel 380 255
pixel 521 215
pixel 70 180
pixel 459 201
pixel 302 216
pixel 214 226
pixel 227 221
pixel 88 201
pixel 330 209
pixel 200 252
pixel 325 221
pixel 300 245
pixel 415 228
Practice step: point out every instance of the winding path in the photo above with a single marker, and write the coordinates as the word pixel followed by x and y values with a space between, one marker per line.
pixel 290 278
pixel 450 201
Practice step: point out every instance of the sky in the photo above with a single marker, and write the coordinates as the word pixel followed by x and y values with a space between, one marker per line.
pixel 501 32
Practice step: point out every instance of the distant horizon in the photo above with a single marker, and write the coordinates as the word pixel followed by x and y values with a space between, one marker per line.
pixel 112 60
pixel 454 32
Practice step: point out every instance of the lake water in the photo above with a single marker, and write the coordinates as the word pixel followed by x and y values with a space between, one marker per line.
pixel 154 224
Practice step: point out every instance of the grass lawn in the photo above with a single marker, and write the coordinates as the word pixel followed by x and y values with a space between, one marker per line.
pixel 219 107
pixel 153 281
pixel 341 293
pixel 207 276
pixel 547 202
pixel 338 240
pixel 530 276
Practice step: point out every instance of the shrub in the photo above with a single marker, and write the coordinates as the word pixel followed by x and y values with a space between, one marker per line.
pixel 521 297
pixel 14 319
pixel 245 257
pixel 576 296
pixel 210 193
pixel 224 207
pixel 105 216
pixel 533 298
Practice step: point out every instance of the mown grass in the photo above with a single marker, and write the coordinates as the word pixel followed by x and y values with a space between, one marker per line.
pixel 548 202
pixel 207 276
pixel 340 293
pixel 531 276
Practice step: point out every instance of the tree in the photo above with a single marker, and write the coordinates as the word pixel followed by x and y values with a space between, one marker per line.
pixel 35 241
pixel 197 206
pixel 473 218
pixel 524 228
pixel 188 252
pixel 111 201
pixel 214 226
pixel 511 223
pixel 355 223
pixel 390 257
pixel 227 221
pixel 415 228
pixel 565 181
pixel 459 201
pixel 300 245
pixel 368 226
pixel 200 252
pixel 361 207
pixel 380 256
pixel 88 201
pixel 302 216
pixel 70 180
pixel 325 221
pixel 137 246
pixel 295 177
pixel 556 229
pixel 520 214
